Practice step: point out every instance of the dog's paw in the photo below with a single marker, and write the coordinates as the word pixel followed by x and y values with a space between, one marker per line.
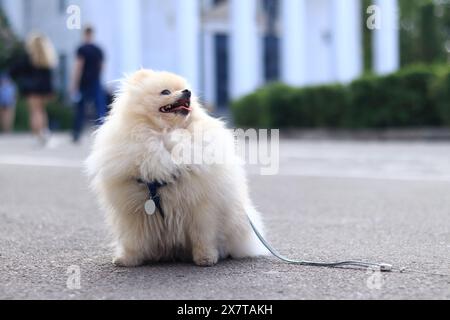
pixel 206 260
pixel 126 262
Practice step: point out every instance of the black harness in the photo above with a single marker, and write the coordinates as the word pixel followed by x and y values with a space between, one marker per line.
pixel 153 188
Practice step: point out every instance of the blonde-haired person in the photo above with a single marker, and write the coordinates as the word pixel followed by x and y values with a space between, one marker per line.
pixel 34 77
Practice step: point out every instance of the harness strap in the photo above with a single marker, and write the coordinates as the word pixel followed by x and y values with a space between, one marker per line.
pixel 153 188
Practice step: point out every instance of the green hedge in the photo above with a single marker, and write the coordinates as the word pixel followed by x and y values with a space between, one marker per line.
pixel 59 114
pixel 413 97
pixel 441 94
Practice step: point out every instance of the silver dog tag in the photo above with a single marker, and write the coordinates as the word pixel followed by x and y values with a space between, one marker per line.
pixel 150 207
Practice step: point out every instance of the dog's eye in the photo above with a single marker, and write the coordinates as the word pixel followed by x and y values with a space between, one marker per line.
pixel 165 92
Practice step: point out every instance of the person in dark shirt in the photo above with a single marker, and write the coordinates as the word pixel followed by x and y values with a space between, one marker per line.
pixel 87 82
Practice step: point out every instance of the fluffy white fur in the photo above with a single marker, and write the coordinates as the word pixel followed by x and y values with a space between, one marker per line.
pixel 205 206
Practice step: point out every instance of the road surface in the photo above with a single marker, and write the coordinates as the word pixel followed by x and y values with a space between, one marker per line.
pixel 378 201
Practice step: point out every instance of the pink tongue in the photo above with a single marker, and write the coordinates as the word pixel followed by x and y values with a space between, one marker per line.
pixel 183 107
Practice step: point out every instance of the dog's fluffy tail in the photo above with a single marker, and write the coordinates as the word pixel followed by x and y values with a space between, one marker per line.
pixel 252 246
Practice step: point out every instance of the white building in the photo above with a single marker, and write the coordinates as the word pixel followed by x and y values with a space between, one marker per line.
pixel 226 48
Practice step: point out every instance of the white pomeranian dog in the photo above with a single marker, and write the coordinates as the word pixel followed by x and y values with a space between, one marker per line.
pixel 159 208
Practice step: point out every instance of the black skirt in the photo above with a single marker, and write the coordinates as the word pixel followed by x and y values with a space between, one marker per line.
pixel 32 80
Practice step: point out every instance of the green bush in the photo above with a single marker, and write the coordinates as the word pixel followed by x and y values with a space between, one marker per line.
pixel 22 120
pixel 321 106
pixel 413 97
pixel 10 47
pixel 60 116
pixel 401 99
pixel 278 105
pixel 442 97
pixel 247 111
pixel 275 103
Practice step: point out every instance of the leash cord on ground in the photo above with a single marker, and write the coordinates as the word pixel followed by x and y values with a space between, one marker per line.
pixel 380 266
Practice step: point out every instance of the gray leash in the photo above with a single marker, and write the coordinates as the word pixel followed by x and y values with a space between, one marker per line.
pixel 384 267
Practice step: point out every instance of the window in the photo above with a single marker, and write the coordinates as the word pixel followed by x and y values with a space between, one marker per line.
pixel 62 6
pixel 271 41
pixel 221 68
pixel 271 58
pixel 271 9
pixel 217 2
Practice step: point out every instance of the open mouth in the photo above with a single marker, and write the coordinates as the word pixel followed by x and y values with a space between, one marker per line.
pixel 182 106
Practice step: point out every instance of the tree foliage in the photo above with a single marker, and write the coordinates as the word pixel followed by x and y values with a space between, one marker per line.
pixel 10 46
pixel 424 32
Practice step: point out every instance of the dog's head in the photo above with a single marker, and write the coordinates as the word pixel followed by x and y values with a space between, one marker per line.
pixel 163 99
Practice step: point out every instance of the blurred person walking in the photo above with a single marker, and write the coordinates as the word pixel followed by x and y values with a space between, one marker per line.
pixel 34 75
pixel 7 103
pixel 86 85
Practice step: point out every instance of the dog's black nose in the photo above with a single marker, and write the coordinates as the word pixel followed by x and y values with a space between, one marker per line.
pixel 187 94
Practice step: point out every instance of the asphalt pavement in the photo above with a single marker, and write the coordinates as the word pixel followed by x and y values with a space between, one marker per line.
pixel 331 200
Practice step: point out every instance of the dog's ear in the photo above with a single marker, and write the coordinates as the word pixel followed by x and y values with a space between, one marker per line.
pixel 139 76
pixel 134 81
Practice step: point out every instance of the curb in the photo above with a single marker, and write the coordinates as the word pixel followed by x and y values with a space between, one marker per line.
pixel 420 134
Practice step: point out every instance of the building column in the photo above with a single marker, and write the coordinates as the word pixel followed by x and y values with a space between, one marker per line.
pixel 386 57
pixel 131 51
pixel 246 50
pixel 347 39
pixel 188 40
pixel 293 42
pixel 209 64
